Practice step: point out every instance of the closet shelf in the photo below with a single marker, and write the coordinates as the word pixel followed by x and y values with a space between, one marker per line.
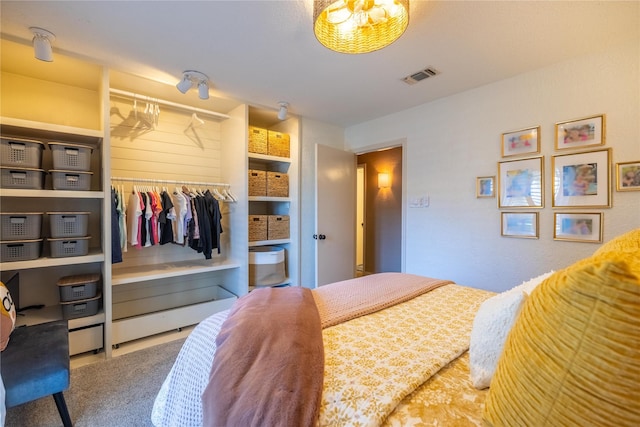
pixel 58 194
pixel 269 159
pixel 94 256
pixel 159 271
pixel 50 132
pixel 269 199
pixel 269 242
pixel 54 312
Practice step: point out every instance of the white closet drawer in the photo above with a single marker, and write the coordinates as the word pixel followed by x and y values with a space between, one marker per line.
pixel 85 339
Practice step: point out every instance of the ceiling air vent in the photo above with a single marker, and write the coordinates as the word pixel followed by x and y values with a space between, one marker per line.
pixel 421 75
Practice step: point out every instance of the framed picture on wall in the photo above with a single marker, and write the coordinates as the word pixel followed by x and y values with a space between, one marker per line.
pixel 628 176
pixel 578 227
pixel 485 186
pixel 582 179
pixel 579 133
pixel 520 224
pixel 521 183
pixel 523 141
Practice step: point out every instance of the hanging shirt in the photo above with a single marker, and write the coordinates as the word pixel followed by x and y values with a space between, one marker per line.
pixel 116 249
pixel 166 227
pixel 122 220
pixel 134 217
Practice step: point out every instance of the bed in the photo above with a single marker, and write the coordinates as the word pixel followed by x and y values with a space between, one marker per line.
pixel 425 351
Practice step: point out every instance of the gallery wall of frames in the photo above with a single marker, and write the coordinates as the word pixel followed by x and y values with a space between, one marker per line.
pixel 581 175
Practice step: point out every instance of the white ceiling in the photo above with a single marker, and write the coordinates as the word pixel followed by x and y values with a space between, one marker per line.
pixel 263 52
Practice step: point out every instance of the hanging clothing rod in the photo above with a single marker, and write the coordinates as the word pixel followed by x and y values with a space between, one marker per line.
pixel 168 181
pixel 168 103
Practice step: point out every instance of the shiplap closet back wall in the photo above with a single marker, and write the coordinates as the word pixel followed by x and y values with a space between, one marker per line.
pixel 175 146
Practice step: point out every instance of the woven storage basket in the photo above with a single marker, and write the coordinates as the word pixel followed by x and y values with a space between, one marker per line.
pixel 26 153
pixel 258 140
pixel 257 183
pixel 278 227
pixel 277 184
pixel 279 144
pixel 257 227
pixel 21 226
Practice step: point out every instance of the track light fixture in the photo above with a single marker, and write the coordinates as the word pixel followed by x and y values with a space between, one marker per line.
pixel 42 43
pixel 191 78
pixel 282 112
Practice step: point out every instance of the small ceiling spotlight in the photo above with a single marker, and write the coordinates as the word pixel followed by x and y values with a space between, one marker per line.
pixel 42 43
pixel 191 78
pixel 282 112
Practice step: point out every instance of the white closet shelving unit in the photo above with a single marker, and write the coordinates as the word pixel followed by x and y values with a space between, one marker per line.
pixel 39 275
pixel 154 289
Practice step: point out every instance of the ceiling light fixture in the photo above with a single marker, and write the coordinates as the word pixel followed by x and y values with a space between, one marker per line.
pixel 191 78
pixel 359 26
pixel 282 112
pixel 42 43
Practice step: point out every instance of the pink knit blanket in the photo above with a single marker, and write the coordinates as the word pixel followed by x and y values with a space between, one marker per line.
pixel 269 363
pixel 348 299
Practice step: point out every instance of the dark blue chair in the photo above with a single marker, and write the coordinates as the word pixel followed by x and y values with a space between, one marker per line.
pixel 35 364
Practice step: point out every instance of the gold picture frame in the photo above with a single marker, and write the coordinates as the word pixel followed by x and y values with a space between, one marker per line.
pixel 519 142
pixel 579 133
pixel 521 183
pixel 519 224
pixel 485 187
pixel 582 179
pixel 578 227
pixel 628 176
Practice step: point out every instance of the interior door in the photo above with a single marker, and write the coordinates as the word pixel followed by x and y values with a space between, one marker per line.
pixel 335 215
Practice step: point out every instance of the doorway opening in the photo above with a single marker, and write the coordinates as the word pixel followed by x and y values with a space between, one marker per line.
pixel 381 203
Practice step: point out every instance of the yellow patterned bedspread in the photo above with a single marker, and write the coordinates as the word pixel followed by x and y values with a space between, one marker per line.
pixel 374 362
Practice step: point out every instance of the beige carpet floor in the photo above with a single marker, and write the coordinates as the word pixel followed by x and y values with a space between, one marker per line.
pixel 115 392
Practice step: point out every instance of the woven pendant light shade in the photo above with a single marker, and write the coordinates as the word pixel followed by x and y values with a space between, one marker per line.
pixel 359 26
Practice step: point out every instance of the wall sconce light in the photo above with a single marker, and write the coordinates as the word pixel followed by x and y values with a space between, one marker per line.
pixel 42 43
pixel 191 78
pixel 282 112
pixel 384 180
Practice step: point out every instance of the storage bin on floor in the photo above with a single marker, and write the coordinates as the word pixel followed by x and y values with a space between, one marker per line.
pixel 68 224
pixel 78 287
pixel 69 246
pixel 81 308
pixel 26 153
pixel 71 157
pixel 266 265
pixel 71 180
pixel 21 225
pixel 20 250
pixel 22 178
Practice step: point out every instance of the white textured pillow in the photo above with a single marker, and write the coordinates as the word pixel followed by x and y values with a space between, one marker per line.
pixel 491 326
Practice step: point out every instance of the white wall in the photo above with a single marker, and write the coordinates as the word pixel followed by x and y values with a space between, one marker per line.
pixel 453 140
pixel 313 132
